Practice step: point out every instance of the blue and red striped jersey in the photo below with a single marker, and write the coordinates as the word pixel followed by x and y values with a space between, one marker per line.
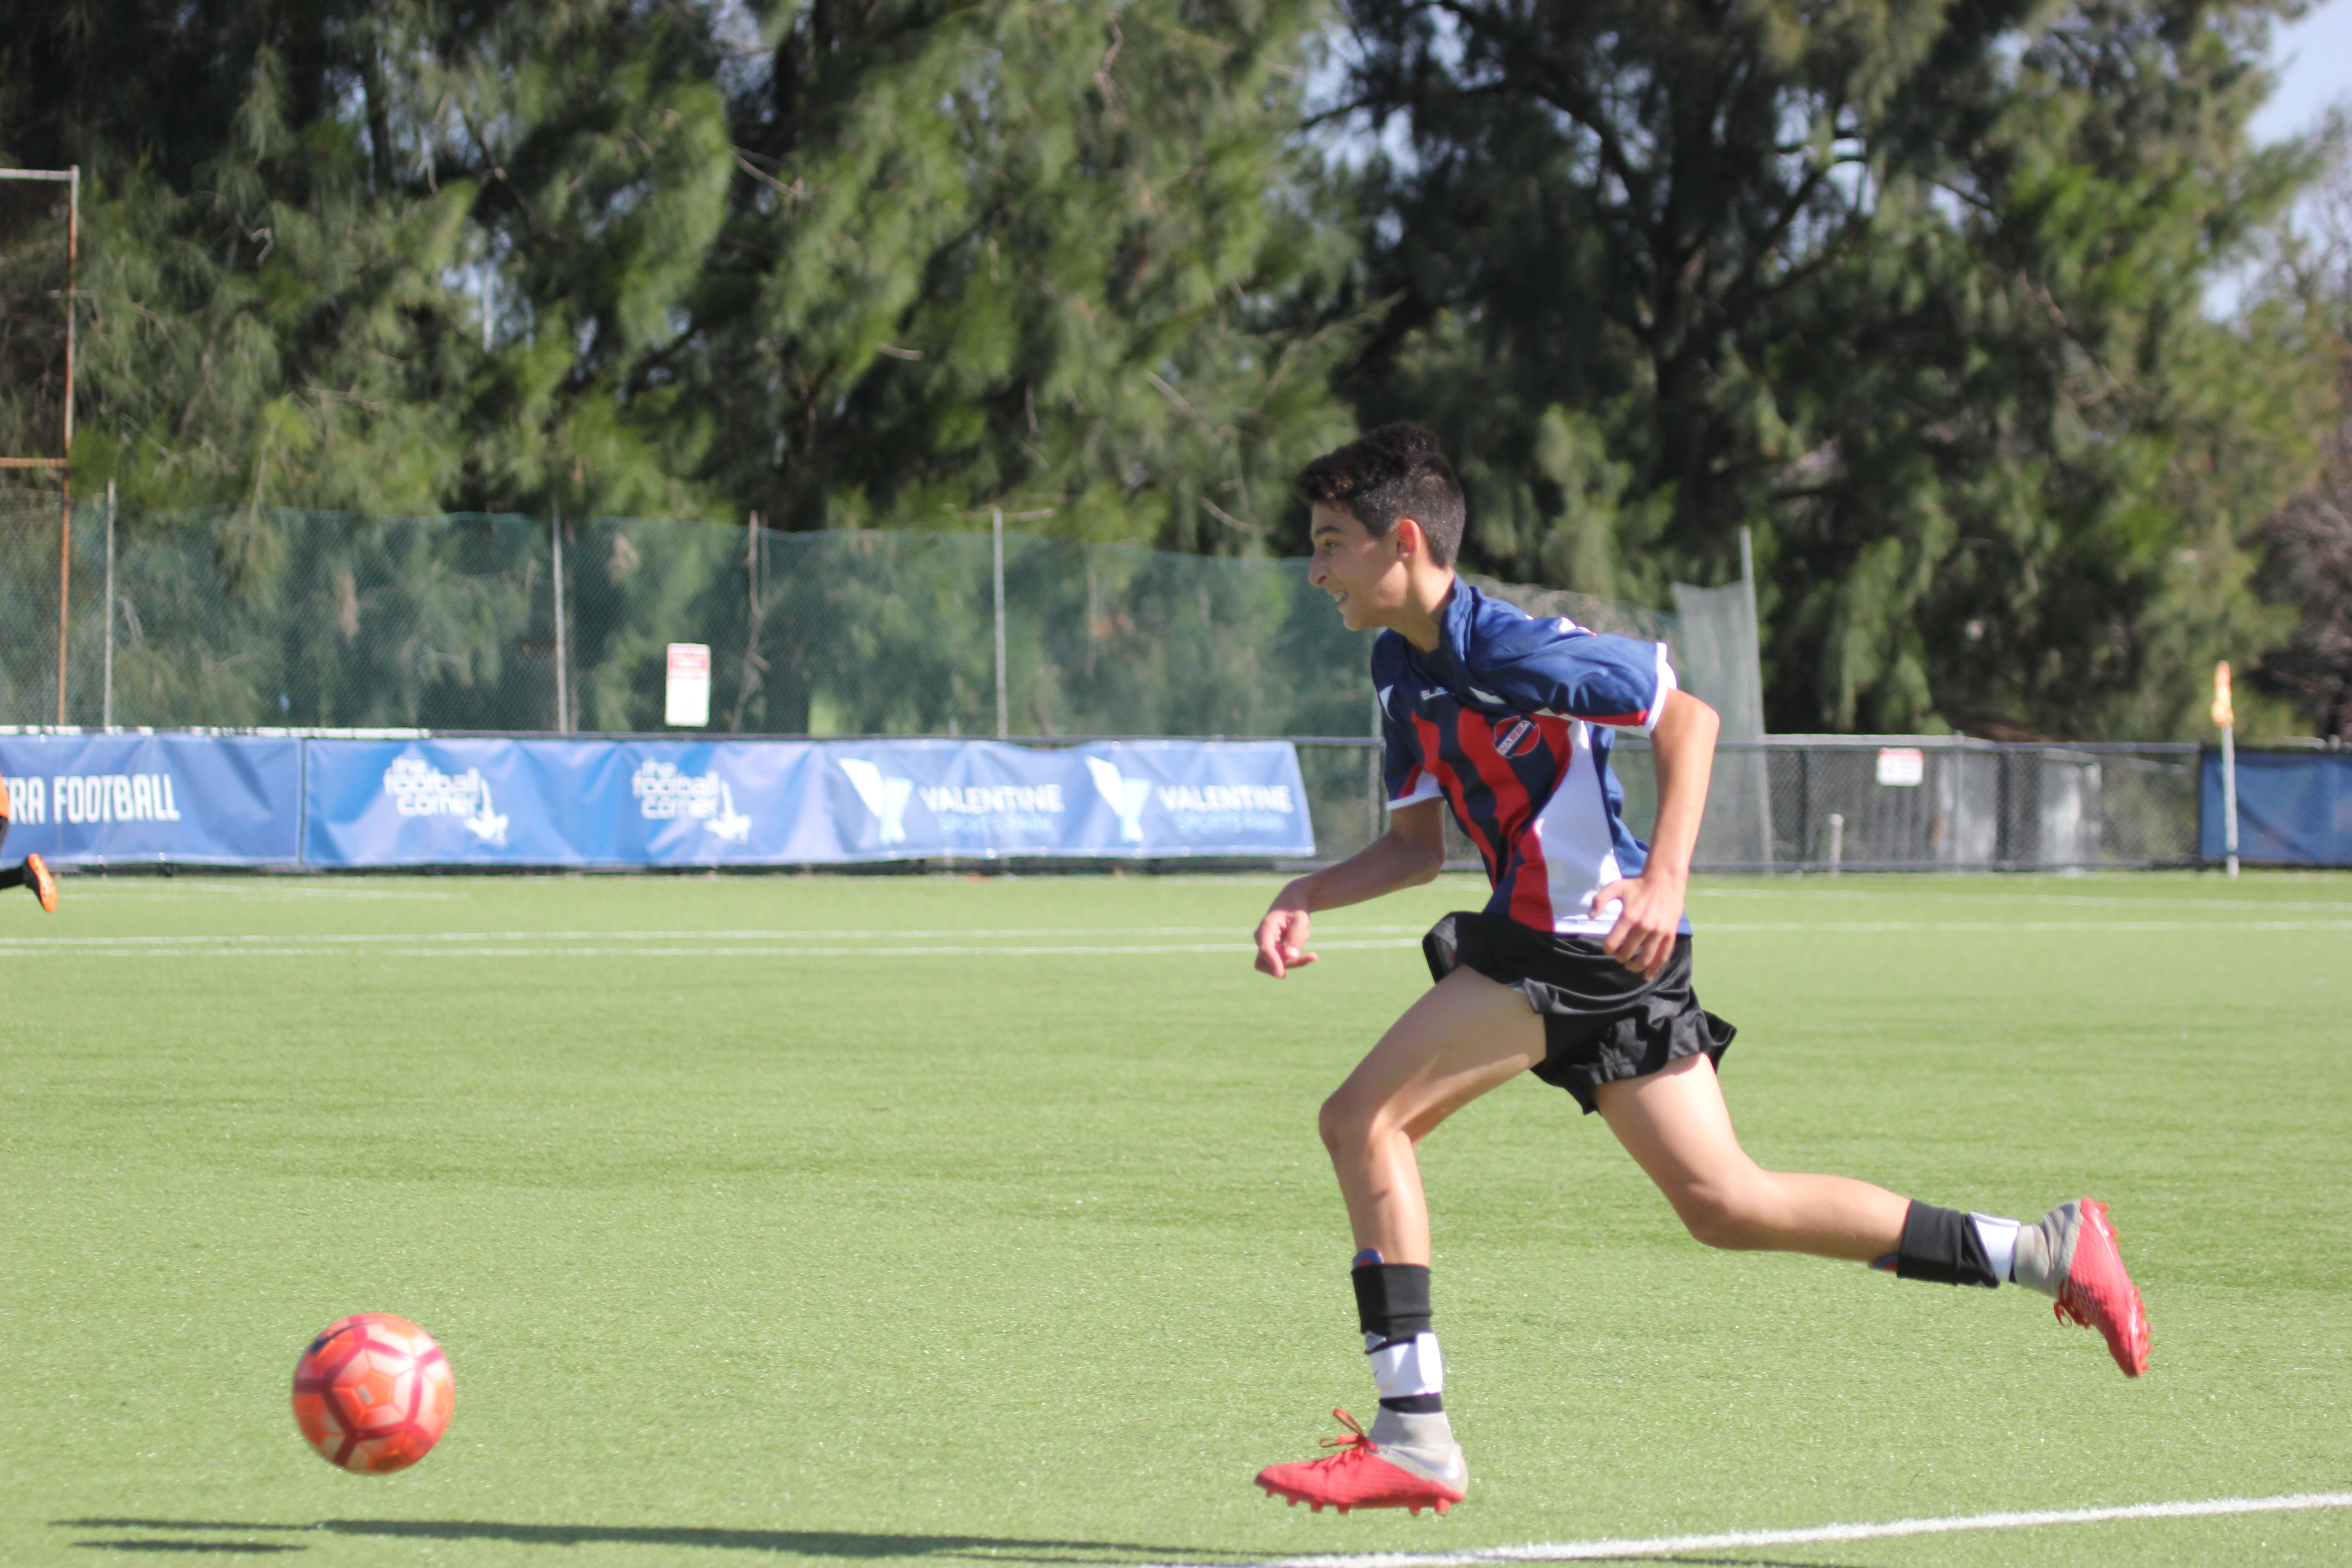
pixel 1511 720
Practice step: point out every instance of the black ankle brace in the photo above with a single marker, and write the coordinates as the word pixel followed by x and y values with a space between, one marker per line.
pixel 1942 1246
pixel 1392 1299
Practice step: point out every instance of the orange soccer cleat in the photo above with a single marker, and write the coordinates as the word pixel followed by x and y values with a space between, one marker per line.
pixel 42 882
pixel 1361 1476
pixel 2098 1294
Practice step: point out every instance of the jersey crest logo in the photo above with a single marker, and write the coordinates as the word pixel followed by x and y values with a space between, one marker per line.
pixel 1518 738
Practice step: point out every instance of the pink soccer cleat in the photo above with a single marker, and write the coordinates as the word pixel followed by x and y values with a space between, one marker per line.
pixel 1358 1476
pixel 2098 1294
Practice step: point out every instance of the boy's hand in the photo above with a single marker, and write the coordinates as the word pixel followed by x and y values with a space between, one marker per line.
pixel 1650 909
pixel 1282 941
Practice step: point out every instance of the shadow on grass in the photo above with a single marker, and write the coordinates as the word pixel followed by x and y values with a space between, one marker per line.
pixel 790 1542
pixel 216 1548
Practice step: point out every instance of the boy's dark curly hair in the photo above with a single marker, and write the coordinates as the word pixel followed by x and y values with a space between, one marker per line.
pixel 1392 472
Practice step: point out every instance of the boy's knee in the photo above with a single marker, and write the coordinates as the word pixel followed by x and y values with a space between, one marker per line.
pixel 1721 1220
pixel 1349 1123
pixel 1342 1126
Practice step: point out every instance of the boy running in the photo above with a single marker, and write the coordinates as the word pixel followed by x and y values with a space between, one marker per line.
pixel 1577 969
pixel 34 872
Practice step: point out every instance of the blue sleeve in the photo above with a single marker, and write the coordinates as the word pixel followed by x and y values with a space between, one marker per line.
pixel 1406 781
pixel 1558 667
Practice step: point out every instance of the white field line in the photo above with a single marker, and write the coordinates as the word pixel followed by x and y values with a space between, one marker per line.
pixel 1708 927
pixel 1662 1545
pixel 254 948
pixel 966 932
pixel 272 889
pixel 825 943
pixel 2338 906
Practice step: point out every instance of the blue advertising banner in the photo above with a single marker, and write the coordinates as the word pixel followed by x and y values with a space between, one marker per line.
pixel 507 801
pixel 2295 808
pixel 453 802
pixel 1133 799
pixel 535 801
pixel 97 800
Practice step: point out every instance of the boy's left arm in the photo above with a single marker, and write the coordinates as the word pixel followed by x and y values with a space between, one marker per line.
pixel 1650 906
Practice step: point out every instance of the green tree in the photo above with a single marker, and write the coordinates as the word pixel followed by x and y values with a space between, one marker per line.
pixel 843 265
pixel 2308 562
pixel 1034 256
pixel 840 265
pixel 1914 292
pixel 256 323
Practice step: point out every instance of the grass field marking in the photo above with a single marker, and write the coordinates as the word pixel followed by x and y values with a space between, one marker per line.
pixel 254 948
pixel 672 934
pixel 1663 1545
pixel 1965 926
pixel 512 944
pixel 1342 938
pixel 92 884
pixel 1910 895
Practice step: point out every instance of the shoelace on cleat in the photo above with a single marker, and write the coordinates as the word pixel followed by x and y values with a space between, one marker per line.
pixel 1356 1443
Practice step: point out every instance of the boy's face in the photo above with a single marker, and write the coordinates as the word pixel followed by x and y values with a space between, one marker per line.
pixel 1365 574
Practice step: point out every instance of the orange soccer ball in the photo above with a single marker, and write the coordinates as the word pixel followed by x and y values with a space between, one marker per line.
pixel 373 1393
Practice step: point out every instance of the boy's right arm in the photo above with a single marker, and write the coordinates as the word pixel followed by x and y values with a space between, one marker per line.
pixel 1410 853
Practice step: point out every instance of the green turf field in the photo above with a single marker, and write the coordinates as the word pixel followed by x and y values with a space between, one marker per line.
pixel 776 1219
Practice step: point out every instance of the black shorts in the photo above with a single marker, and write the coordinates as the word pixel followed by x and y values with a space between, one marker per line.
pixel 1602 1021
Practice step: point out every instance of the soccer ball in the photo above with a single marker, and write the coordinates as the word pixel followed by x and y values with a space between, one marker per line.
pixel 373 1393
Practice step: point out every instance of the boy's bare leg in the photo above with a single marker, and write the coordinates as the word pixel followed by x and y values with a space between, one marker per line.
pixel 1675 1124
pixel 1466 1036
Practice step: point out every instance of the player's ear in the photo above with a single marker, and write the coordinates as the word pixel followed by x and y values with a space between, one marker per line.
pixel 1406 537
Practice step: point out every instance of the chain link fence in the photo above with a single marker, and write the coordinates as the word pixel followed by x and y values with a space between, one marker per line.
pixel 249 619
pixel 1873 802
pixel 260 616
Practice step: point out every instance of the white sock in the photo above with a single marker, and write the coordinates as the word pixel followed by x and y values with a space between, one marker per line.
pixel 1999 1239
pixel 1409 1367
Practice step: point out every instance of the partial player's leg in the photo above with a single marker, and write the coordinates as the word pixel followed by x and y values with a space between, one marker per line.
pixel 1466 1036
pixel 33 872
pixel 1678 1129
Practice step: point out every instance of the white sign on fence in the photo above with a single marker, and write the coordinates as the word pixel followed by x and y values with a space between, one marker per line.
pixel 688 697
pixel 1905 767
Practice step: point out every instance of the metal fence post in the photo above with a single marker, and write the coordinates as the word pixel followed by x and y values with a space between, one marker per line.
pixel 563 702
pixel 1763 762
pixel 65 510
pixel 2230 797
pixel 996 535
pixel 106 699
pixel 1804 806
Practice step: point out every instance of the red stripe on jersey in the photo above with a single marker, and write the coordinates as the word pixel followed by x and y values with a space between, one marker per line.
pixel 1531 884
pixel 1432 757
pixel 1621 720
pixel 1514 809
